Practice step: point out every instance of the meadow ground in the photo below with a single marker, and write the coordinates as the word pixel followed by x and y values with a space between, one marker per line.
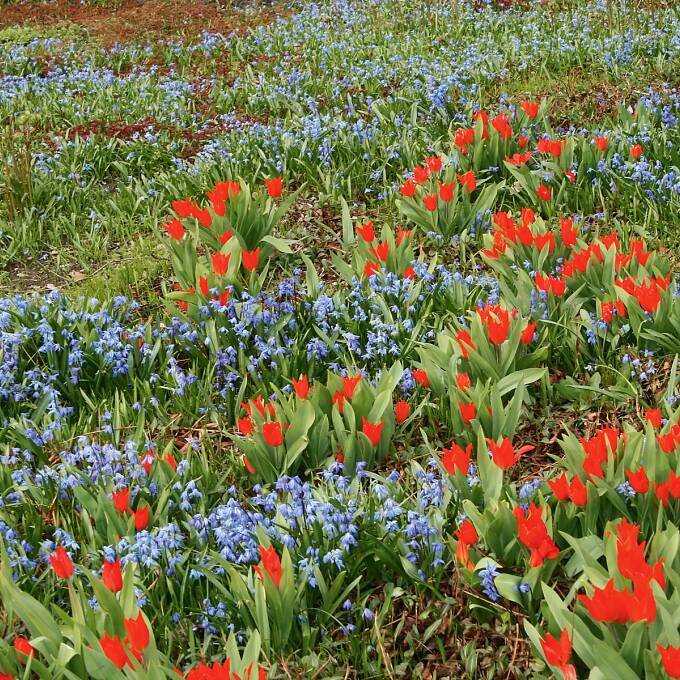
pixel 339 340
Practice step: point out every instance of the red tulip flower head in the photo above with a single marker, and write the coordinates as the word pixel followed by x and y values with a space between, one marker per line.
pixel 174 228
pixel 250 259
pixel 137 633
pixel 301 387
pixel 468 412
pixel 23 646
pixel 61 563
pixel 372 430
pixel 349 384
pixel 402 410
pixel 272 433
pixel 504 454
pixel 533 533
pixel 457 458
pixel 670 660
pixel 430 202
pixel 272 564
pixel 274 186
pixel 530 108
pixel 544 192
pixel 112 576
pixel 220 263
pixel 366 231
pixel 121 499
pixel 141 518
pixel 558 652
pixel 114 650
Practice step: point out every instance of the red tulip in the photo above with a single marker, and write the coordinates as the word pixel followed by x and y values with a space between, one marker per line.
pixel 607 604
pixel 272 564
pixel 560 487
pixel 170 460
pixel 497 322
pixel 530 108
pixel 468 412
pixel 349 384
pixel 504 454
pixel 372 430
pixel 468 180
pixel 528 333
pixel 420 376
pixel 112 576
pixel 662 492
pixel 518 159
pixel 463 138
pixel 137 633
pixel 114 650
pixel 430 202
pixel 220 263
pixel 636 151
pixel 224 297
pixel 653 417
pixel 183 207
pixel 23 646
pixel 446 191
pixel 272 433
pixel 578 492
pixel 467 533
pixel 601 143
pixel 121 499
pixel 217 198
pixel 61 563
pixel 339 400
pixel 203 285
pixel 464 341
pixel 533 533
pixel 245 426
pixel 638 480
pixel 670 659
pixel 558 652
pixel 457 458
pixel 402 409
pixel 463 381
pixel 484 117
pixel 403 234
pixel 381 251
pixel 421 173
pixel 248 465
pixel 408 189
pixel 434 163
pixel 371 268
pixel 250 259
pixel 175 228
pixel 274 186
pixel 648 296
pixel 544 192
pixel 554 148
pixel 501 123
pixel 366 232
pixel 568 232
pixel 141 518
pixel 301 387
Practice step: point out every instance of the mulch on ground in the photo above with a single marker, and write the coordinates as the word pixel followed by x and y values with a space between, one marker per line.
pixel 135 20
